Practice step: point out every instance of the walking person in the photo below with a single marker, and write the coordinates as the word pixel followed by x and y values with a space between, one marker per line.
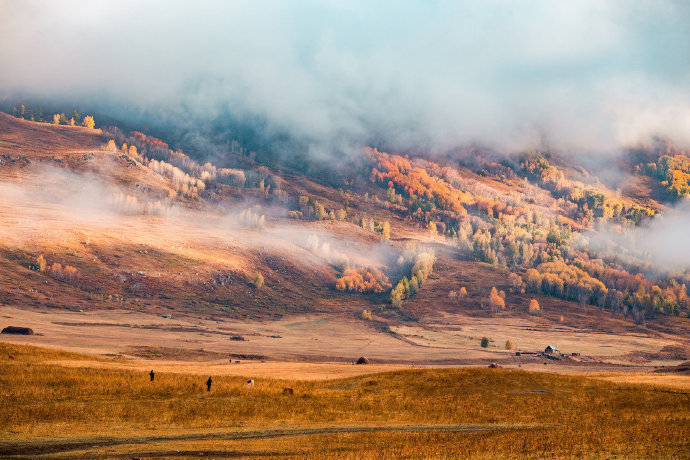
pixel 208 384
pixel 152 374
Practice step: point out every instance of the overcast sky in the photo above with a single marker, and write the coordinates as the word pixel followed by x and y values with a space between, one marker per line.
pixel 581 75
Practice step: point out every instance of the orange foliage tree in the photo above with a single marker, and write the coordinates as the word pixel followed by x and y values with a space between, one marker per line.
pixel 496 300
pixel 363 280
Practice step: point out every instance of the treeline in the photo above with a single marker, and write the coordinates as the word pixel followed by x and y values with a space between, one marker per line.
pixel 130 205
pixel 66 273
pixel 419 192
pixel 309 207
pixel 25 112
pixel 563 271
pixel 671 168
pixel 591 282
pixel 36 114
pixel 366 279
pixel 512 244
pixel 188 176
pixel 422 189
pixel 511 235
pixel 590 204
pixel 426 191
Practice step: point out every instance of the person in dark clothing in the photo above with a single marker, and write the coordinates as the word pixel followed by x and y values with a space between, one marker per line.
pixel 208 384
pixel 152 374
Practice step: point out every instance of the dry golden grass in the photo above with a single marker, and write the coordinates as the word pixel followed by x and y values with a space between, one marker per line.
pixel 667 380
pixel 253 369
pixel 424 413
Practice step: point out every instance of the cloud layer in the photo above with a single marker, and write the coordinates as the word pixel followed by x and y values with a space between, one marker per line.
pixel 586 75
pixel 660 246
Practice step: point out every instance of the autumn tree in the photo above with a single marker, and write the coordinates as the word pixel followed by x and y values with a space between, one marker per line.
pixel 485 342
pixel 27 113
pixel 396 298
pixel 496 301
pixel 41 263
pixel 258 280
pixel 304 204
pixel 70 274
pixel 88 122
pixel 533 280
pixel 534 307
pixel 462 293
pixel 56 270
pixel 384 229
pixel 431 227
pixel 319 211
pixel 510 345
pixel 365 279
pixel 18 111
pixel 516 282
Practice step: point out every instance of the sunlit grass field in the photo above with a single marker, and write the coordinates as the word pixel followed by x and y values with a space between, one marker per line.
pixel 51 410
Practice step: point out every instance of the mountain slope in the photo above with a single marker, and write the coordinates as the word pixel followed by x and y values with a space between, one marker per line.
pixel 93 229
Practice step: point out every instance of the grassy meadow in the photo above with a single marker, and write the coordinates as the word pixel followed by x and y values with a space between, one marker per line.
pixel 58 411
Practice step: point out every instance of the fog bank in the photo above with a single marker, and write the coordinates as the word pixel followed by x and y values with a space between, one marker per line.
pixel 584 75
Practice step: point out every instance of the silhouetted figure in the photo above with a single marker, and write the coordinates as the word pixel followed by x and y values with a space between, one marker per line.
pixel 152 374
pixel 208 384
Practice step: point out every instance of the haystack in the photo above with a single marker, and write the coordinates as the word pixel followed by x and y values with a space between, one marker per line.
pixel 494 365
pixel 363 360
pixel 18 330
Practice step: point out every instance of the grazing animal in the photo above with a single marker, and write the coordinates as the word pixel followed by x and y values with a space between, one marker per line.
pixel 250 383
pixel 288 391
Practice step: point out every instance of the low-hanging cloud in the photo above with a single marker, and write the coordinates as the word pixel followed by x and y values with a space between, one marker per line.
pixel 584 75
pixel 51 205
pixel 660 246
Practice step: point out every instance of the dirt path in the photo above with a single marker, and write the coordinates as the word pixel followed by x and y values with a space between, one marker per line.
pixel 33 447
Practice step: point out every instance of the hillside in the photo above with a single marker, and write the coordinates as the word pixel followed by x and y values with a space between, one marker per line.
pixel 139 251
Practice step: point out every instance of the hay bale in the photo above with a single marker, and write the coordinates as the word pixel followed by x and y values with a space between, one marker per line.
pixel 363 360
pixel 18 330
